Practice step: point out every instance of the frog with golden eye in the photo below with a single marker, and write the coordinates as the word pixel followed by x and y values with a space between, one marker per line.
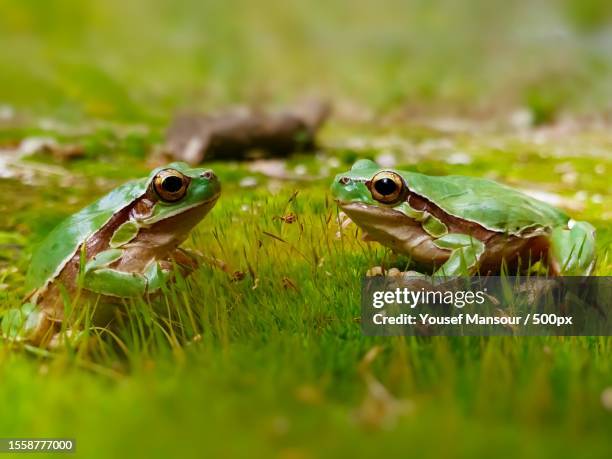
pixel 456 225
pixel 122 246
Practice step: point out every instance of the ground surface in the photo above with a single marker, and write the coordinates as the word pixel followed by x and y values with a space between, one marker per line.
pixel 266 358
pixel 274 363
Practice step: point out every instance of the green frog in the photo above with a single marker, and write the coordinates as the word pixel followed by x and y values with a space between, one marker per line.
pixel 124 245
pixel 456 225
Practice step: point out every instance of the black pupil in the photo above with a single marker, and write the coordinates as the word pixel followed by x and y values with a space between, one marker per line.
pixel 385 186
pixel 172 184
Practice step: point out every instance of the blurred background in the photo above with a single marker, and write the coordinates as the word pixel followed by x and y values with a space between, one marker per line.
pixel 142 59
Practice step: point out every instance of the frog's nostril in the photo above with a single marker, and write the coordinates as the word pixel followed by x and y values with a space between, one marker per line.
pixel 344 180
pixel 208 175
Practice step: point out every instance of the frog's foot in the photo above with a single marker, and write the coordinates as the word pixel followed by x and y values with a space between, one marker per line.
pixel 572 250
pixel 101 278
pixel 112 282
pixel 30 325
pixel 466 252
pixel 27 324
pixel 181 260
pixel 393 272
pixel 375 271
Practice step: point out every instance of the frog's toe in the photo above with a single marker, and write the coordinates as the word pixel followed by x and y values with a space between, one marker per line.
pixel 572 249
pixel 24 324
pixel 393 272
pixel 412 274
pixel 375 271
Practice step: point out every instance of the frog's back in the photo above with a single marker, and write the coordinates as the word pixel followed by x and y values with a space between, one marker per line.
pixel 64 240
pixel 495 206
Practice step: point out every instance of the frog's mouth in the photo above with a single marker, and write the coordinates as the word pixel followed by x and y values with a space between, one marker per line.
pixel 203 206
pixel 362 211
pixel 185 219
pixel 376 220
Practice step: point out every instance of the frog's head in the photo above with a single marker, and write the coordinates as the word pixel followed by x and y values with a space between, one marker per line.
pixel 178 188
pixel 367 184
pixel 177 197
pixel 370 196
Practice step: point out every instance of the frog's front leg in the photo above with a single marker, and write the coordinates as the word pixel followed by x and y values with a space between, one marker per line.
pixel 187 261
pixel 101 278
pixel 572 249
pixel 465 254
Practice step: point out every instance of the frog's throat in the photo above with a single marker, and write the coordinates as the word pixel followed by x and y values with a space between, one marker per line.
pixel 168 233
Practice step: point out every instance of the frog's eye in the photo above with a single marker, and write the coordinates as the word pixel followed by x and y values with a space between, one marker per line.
pixel 387 187
pixel 170 185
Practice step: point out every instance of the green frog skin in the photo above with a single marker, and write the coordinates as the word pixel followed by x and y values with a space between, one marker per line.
pixel 456 225
pixel 122 246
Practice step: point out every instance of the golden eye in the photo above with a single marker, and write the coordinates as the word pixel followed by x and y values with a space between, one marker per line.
pixel 170 185
pixel 387 187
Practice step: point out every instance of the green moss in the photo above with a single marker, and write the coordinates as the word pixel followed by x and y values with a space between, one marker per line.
pixel 270 364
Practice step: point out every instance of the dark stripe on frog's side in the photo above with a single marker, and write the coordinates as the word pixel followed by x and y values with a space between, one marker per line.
pixel 454 224
pixel 469 198
pixel 513 249
pixel 406 235
pixel 50 300
pixel 66 239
